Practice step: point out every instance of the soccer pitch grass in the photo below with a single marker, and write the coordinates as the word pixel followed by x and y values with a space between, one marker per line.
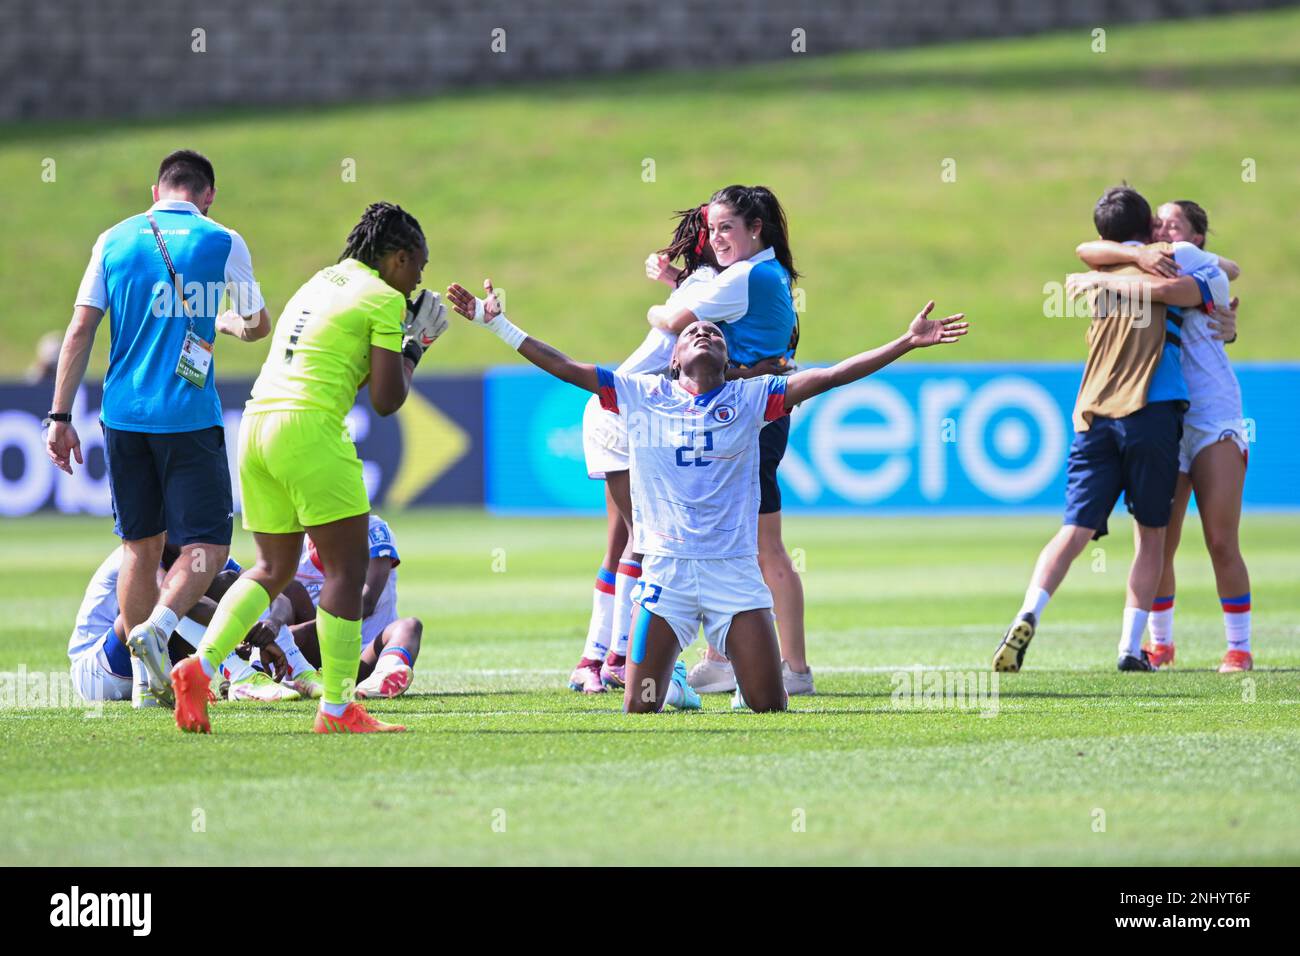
pixel 1187 766
pixel 541 187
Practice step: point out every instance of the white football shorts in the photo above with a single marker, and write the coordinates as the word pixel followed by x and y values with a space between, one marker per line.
pixel 91 678
pixel 604 440
pixel 690 593
pixel 374 625
pixel 1196 439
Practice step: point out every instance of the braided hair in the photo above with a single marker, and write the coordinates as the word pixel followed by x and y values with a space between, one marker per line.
pixel 690 241
pixel 384 227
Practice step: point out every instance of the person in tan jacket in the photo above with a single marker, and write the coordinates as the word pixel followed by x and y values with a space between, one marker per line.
pixel 1128 421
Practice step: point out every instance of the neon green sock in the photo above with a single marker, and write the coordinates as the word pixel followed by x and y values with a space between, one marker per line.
pixel 340 655
pixel 238 611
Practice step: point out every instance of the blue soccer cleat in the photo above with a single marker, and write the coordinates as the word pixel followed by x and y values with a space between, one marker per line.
pixel 688 699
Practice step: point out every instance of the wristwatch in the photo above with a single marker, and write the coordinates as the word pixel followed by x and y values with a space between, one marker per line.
pixel 52 417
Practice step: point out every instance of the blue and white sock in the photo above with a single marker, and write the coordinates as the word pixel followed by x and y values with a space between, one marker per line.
pixel 1161 621
pixel 629 573
pixel 602 617
pixel 1236 621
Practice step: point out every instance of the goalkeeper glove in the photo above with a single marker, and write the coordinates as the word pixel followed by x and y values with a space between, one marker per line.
pixel 426 319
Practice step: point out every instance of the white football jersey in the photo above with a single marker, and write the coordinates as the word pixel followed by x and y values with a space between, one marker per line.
pixel 693 461
pixel 311 572
pixel 1214 395
pixel 655 354
pixel 98 608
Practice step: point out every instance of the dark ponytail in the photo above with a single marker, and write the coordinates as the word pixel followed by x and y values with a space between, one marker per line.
pixel 759 202
pixel 1197 218
pixel 383 228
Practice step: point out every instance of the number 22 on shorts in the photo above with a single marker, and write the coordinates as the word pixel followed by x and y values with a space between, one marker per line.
pixel 645 593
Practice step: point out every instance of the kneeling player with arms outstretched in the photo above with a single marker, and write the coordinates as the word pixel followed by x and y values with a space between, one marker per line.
pixel 693 457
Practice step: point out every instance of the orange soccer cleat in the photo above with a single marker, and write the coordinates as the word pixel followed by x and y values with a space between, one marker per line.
pixel 1161 655
pixel 192 687
pixel 354 720
pixel 1236 661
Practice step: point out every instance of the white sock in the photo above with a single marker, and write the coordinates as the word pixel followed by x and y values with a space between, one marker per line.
pixel 297 663
pixel 389 662
pixel 1236 627
pixel 1161 622
pixel 190 630
pixel 139 674
pixel 1035 602
pixel 235 668
pixel 602 618
pixel 164 618
pixel 623 585
pixel 334 710
pixel 1130 638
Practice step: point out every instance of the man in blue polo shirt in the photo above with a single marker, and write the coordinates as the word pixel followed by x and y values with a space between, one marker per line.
pixel 162 277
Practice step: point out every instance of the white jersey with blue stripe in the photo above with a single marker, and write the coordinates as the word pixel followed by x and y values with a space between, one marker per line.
pixel 693 461
pixel 98 608
pixel 751 302
pixel 311 572
pixel 1213 393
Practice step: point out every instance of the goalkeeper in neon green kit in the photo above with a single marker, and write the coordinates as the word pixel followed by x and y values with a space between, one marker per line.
pixel 298 469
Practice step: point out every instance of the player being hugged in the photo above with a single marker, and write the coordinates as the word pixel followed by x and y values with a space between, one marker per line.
pixel 694 460
pixel 349 324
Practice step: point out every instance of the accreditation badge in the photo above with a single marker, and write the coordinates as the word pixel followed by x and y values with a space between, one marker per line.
pixel 195 360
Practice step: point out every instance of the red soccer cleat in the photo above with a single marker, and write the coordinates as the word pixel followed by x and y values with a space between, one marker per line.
pixel 354 720
pixel 192 686
pixel 1160 655
pixel 1236 661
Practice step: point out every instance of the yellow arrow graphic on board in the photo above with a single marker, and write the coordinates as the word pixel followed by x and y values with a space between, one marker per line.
pixel 431 443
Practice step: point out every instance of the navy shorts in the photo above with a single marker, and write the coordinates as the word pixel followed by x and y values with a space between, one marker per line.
pixel 1136 454
pixel 177 482
pixel 772 439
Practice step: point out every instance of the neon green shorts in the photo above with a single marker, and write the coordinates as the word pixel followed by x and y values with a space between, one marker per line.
pixel 297 469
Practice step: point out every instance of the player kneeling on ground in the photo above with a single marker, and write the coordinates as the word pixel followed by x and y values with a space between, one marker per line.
pixel 389 644
pixel 693 460
pixel 102 667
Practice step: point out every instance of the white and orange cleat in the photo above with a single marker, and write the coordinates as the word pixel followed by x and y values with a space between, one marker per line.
pixel 388 683
pixel 192 687
pixel 1234 662
pixel 354 720
pixel 1160 655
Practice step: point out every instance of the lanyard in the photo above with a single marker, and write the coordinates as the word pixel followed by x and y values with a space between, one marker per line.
pixel 171 271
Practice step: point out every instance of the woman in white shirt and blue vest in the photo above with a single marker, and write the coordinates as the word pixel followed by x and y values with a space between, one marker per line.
pixel 751 301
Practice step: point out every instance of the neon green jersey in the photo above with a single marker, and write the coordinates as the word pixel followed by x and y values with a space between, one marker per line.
pixel 320 353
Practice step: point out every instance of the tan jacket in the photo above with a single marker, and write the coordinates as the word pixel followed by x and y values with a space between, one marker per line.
pixel 1124 348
